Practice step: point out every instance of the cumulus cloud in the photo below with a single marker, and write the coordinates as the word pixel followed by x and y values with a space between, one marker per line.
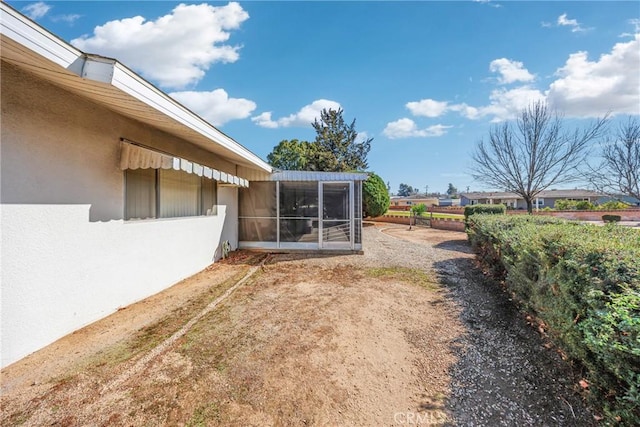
pixel 510 71
pixel 563 21
pixel 407 128
pixel 175 50
pixel 264 120
pixel 36 10
pixel 216 107
pixel 302 118
pixel 427 108
pixel 506 104
pixel 591 88
pixel 582 88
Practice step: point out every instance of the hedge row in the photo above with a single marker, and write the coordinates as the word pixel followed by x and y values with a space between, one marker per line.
pixel 583 282
pixel 483 209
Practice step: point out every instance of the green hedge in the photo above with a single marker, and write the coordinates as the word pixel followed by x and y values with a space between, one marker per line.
pixel 483 209
pixel 583 282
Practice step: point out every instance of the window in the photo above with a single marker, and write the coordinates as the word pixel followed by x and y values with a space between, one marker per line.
pixel 167 193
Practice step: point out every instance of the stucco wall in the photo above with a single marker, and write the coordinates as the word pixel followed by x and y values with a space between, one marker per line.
pixel 61 148
pixel 68 258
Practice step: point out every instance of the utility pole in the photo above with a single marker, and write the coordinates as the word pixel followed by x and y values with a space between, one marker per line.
pixel 426 190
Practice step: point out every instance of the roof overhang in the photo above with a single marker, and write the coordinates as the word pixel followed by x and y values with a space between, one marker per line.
pixel 107 82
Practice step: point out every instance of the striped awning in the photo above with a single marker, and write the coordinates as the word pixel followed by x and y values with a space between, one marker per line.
pixel 137 157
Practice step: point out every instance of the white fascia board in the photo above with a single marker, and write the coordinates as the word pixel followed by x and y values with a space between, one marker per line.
pixel 17 27
pixel 132 84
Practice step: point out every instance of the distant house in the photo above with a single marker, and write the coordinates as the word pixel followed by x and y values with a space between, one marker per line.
pixel 449 202
pixel 112 191
pixel 626 199
pixel 406 202
pixel 546 198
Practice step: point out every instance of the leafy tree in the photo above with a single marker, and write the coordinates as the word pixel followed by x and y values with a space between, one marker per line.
pixel 336 149
pixel 375 197
pixel 451 190
pixel 619 171
pixel 418 209
pixel 405 190
pixel 534 153
pixel 291 155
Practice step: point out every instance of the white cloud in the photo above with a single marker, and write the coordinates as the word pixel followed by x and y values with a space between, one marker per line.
pixel 489 3
pixel 264 120
pixel 362 136
pixel 563 21
pixel 175 50
pixel 427 108
pixel 510 71
pixel 407 128
pixel 216 106
pixel 506 104
pixel 636 25
pixel 591 88
pixel 466 110
pixel 582 88
pixel 69 19
pixel 36 10
pixel 302 118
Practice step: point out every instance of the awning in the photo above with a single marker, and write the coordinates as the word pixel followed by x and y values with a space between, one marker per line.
pixel 137 157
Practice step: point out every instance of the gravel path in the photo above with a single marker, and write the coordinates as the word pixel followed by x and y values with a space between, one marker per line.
pixel 505 375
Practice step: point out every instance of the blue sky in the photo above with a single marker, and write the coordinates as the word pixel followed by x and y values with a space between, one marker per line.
pixel 426 80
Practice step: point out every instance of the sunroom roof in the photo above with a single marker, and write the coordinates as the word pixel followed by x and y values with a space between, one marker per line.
pixel 317 176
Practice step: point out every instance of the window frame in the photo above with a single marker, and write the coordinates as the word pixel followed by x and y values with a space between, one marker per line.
pixel 157 192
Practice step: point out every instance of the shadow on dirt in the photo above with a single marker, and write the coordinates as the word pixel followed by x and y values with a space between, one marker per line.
pixel 505 374
pixel 460 245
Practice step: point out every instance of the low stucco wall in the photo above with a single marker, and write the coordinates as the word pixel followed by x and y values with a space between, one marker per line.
pixel 447 224
pixel 60 271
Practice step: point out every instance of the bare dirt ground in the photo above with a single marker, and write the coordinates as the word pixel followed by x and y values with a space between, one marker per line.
pixel 409 333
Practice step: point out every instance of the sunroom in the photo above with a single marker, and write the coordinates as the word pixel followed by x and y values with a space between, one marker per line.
pixel 301 210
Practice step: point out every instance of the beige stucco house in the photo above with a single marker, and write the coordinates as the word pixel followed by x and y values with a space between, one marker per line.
pixel 112 191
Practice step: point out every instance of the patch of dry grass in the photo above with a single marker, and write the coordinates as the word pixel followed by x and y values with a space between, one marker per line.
pixel 407 275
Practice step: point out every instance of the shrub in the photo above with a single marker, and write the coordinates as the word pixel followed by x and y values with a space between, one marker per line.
pixel 375 197
pixel 571 205
pixel 483 209
pixel 418 209
pixel 565 205
pixel 613 205
pixel 583 282
pixel 611 218
pixel 584 205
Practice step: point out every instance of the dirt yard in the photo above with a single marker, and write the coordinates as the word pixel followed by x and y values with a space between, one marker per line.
pixel 409 333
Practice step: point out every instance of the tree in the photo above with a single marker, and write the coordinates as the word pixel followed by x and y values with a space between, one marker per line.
pixel 336 149
pixel 418 209
pixel 375 197
pixel 619 171
pixel 534 153
pixel 290 155
pixel 405 190
pixel 451 190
